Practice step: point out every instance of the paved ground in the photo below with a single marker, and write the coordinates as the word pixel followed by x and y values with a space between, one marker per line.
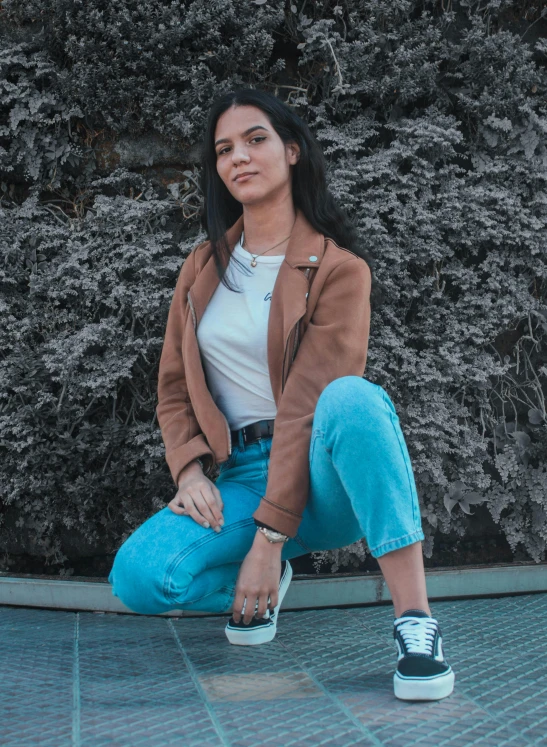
pixel 71 679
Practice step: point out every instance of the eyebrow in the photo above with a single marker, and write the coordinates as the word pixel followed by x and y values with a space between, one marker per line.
pixel 244 134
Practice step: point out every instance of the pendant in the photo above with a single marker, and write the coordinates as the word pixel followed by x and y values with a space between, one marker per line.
pixel 253 263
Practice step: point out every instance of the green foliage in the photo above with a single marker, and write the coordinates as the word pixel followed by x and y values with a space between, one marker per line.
pixel 434 127
pixel 85 301
pixel 137 65
pixel 36 142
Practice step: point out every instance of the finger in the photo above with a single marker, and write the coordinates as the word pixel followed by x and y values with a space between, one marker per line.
pixel 250 609
pixel 192 511
pixel 212 502
pixel 176 505
pixel 218 496
pixel 274 599
pixel 262 605
pixel 219 508
pixel 198 508
pixel 205 510
pixel 194 514
pixel 238 605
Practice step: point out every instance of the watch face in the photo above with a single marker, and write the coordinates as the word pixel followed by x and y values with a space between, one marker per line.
pixel 272 535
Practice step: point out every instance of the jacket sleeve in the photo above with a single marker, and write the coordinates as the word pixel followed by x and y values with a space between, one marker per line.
pixel 181 433
pixel 335 344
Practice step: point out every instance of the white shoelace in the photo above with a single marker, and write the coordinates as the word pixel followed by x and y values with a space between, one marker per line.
pixel 418 633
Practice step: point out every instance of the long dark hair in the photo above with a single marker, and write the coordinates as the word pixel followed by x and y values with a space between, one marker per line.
pixel 309 187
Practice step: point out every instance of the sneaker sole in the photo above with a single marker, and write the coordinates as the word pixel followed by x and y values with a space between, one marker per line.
pixel 433 688
pixel 256 636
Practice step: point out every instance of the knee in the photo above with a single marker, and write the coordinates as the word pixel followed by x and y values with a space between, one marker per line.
pixel 350 395
pixel 137 582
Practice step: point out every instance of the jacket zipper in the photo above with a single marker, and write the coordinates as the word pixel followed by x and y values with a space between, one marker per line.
pixel 296 338
pixel 191 304
pixel 295 346
pixel 229 433
pixel 283 367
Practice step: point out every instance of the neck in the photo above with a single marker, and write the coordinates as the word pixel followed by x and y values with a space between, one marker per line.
pixel 266 225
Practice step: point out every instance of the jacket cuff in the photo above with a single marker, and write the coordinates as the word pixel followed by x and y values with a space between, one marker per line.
pixel 179 458
pixel 208 463
pixel 277 518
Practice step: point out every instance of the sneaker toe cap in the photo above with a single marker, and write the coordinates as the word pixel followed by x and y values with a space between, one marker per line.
pixel 254 623
pixel 421 666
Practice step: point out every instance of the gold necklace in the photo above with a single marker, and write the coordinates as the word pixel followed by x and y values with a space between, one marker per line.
pixel 254 256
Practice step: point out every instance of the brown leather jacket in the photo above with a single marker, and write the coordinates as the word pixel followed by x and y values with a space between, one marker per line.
pixel 320 307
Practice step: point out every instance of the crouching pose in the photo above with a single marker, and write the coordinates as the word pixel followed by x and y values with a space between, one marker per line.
pixel 261 374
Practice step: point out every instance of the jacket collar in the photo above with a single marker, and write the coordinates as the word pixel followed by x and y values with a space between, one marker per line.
pixel 305 242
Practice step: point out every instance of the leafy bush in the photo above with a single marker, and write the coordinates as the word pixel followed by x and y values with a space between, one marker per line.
pixel 136 66
pixel 433 123
pixel 85 302
pixel 35 123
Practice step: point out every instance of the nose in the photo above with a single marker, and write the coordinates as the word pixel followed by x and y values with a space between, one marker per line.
pixel 240 155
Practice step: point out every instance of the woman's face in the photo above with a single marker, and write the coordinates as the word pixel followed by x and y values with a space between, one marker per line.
pixel 245 141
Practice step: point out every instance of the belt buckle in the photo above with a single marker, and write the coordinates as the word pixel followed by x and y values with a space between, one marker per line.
pixel 252 434
pixel 258 437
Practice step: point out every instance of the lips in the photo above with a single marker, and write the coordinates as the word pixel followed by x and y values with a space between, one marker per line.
pixel 242 177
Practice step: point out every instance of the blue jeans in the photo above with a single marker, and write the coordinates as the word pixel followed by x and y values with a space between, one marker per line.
pixel 361 485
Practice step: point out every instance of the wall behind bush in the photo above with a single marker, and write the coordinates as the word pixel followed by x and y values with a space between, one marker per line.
pixel 433 118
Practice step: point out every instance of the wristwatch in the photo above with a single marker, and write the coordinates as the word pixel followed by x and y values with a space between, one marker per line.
pixel 273 536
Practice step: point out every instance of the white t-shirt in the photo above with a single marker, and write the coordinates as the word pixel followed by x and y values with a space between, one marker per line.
pixel 232 337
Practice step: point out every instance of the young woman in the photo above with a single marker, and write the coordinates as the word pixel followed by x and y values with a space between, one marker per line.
pixel 261 373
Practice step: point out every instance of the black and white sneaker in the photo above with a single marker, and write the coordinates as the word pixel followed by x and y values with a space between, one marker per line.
pixel 422 673
pixel 263 629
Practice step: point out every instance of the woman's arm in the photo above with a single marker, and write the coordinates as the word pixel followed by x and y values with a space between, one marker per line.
pixel 334 345
pixel 181 433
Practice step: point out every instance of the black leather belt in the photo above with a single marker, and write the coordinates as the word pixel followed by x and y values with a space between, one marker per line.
pixel 254 431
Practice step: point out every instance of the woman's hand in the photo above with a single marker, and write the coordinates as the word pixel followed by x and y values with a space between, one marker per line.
pixel 258 579
pixel 199 498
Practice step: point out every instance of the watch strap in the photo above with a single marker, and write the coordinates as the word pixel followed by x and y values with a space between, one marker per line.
pixel 272 535
pixel 261 524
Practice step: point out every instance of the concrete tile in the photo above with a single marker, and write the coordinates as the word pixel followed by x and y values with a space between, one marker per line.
pixel 325 680
pixel 254 686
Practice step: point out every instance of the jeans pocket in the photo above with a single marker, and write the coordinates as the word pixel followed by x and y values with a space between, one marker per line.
pixel 230 462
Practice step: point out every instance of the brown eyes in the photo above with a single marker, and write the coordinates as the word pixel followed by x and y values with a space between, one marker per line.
pixel 257 137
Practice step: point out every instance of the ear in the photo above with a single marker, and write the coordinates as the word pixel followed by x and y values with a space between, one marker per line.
pixel 293 150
